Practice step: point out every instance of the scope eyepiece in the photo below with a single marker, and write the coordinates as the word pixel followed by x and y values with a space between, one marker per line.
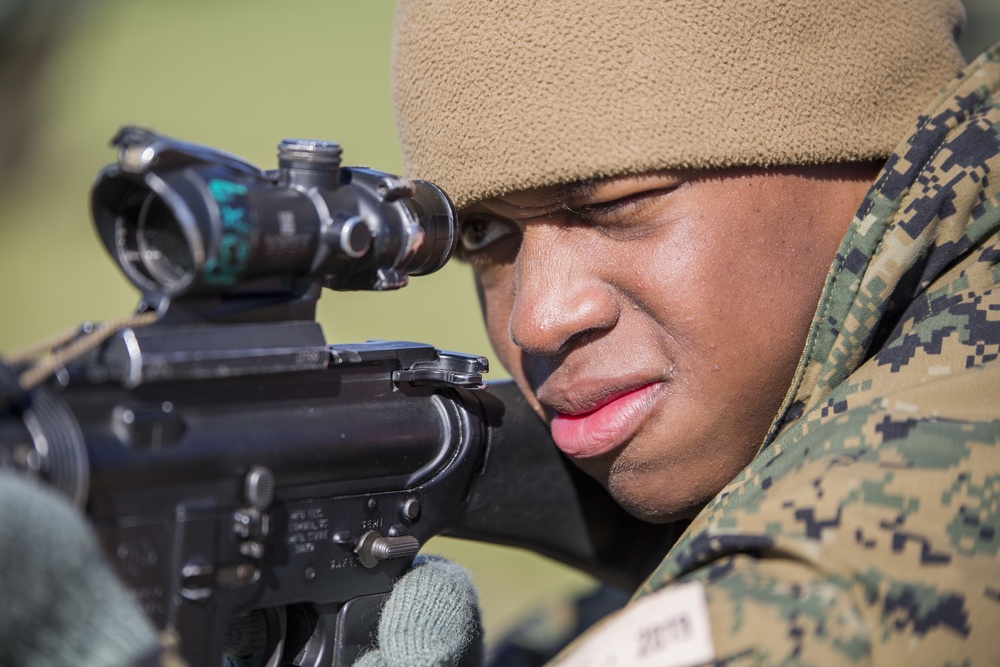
pixel 187 220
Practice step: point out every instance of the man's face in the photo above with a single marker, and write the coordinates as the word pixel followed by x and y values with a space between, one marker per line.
pixel 656 321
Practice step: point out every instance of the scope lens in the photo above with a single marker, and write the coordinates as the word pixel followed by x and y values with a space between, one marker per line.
pixel 433 210
pixel 163 248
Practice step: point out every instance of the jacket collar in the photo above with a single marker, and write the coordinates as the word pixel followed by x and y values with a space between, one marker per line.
pixel 912 225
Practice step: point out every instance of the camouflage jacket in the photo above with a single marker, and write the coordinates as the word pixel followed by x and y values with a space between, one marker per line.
pixel 867 529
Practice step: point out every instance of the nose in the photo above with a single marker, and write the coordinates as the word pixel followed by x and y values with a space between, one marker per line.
pixel 560 296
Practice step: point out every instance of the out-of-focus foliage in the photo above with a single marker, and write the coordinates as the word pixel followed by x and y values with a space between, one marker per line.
pixel 982 27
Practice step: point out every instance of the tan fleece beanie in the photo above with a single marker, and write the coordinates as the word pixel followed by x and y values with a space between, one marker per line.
pixel 494 96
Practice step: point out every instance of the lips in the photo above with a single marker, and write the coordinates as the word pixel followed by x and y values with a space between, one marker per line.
pixel 607 426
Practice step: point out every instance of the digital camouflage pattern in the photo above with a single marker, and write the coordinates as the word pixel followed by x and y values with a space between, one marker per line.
pixel 867 529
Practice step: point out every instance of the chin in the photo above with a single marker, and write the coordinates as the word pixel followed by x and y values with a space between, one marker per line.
pixel 642 496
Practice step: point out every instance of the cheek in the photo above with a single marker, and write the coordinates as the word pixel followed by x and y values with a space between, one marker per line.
pixel 679 284
pixel 728 327
pixel 496 301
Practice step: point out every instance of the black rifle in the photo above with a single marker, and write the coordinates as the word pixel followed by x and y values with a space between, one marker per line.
pixel 245 478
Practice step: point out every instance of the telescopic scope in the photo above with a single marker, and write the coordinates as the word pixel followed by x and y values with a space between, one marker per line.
pixel 187 220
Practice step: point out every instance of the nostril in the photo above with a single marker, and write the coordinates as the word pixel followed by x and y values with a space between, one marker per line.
pixel 549 321
pixel 560 294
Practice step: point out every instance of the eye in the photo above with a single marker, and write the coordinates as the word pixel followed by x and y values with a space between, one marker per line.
pixel 480 232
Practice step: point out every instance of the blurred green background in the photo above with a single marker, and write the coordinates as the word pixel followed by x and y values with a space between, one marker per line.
pixel 239 75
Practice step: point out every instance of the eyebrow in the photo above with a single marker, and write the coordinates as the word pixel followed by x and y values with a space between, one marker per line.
pixel 567 192
pixel 553 197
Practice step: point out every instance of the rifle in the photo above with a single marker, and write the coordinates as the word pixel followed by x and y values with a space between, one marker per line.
pixel 257 489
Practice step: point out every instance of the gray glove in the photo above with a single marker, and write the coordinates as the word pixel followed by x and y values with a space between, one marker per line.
pixel 431 619
pixel 60 604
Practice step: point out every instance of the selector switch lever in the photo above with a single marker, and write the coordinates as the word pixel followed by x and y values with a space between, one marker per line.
pixel 250 524
pixel 373 547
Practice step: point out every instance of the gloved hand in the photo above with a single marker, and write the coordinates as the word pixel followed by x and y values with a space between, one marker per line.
pixel 431 619
pixel 60 604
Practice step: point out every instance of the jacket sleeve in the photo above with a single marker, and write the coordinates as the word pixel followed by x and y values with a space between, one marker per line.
pixel 870 541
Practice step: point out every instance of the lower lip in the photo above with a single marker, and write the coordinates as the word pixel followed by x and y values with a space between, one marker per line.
pixel 607 427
